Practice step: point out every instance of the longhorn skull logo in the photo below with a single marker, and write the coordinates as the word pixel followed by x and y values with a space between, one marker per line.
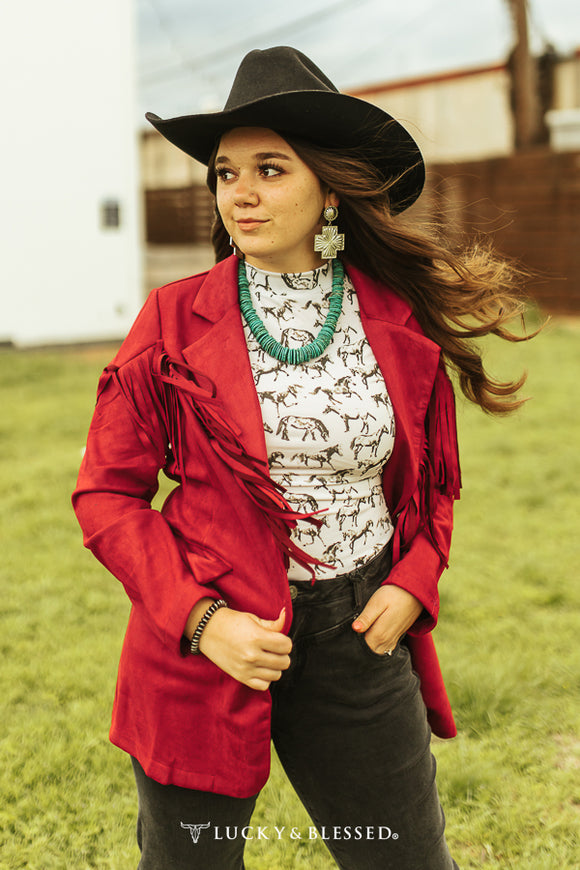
pixel 195 830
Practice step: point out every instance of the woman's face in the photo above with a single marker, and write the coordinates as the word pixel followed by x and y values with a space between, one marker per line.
pixel 269 200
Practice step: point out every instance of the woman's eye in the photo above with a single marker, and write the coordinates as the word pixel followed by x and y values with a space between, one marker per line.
pixel 224 174
pixel 269 171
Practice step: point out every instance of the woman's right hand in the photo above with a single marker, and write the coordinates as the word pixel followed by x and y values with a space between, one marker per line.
pixel 252 650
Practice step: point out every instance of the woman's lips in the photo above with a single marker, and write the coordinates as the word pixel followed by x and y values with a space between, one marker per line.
pixel 248 224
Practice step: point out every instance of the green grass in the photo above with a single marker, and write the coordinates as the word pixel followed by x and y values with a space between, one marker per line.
pixel 510 782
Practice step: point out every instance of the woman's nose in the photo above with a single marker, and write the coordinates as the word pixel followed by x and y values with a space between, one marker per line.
pixel 245 192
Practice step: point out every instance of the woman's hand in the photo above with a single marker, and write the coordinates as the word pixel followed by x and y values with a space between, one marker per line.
pixel 249 649
pixel 388 614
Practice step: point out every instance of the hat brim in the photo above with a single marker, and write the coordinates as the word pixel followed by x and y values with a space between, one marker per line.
pixel 324 118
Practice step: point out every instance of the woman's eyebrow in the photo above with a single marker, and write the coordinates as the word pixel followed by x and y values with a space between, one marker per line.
pixel 262 155
pixel 268 155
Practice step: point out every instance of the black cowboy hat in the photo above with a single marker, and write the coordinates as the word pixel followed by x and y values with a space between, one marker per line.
pixel 281 89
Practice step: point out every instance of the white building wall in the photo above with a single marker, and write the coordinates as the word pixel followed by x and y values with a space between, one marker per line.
pixel 462 117
pixel 68 144
pixel 164 165
pixel 567 83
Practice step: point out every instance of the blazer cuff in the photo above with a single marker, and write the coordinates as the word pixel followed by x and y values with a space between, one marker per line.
pixel 418 572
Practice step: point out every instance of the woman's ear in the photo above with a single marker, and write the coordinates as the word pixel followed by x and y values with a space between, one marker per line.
pixel 331 199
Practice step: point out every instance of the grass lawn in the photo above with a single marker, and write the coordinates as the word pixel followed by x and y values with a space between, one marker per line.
pixel 510 782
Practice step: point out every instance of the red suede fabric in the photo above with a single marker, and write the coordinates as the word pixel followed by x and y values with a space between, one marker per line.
pixel 179 396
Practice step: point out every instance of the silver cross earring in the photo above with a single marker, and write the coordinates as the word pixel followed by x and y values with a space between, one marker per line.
pixel 329 241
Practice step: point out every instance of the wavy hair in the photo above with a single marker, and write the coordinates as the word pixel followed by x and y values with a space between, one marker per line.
pixel 456 293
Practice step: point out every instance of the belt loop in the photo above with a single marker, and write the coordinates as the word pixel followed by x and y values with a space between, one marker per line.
pixel 356 581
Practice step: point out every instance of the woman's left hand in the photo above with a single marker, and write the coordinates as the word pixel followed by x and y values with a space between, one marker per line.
pixel 388 614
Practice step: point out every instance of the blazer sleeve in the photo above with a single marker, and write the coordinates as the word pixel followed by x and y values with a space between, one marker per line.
pixel 422 538
pixel 126 448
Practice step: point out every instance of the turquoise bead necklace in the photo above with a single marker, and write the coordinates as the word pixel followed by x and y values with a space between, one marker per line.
pixel 293 355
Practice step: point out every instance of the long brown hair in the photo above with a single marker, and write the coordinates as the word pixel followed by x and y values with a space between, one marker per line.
pixel 457 295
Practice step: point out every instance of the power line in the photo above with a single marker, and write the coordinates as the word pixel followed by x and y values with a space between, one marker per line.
pixel 224 53
pixel 536 26
pixel 420 18
pixel 165 27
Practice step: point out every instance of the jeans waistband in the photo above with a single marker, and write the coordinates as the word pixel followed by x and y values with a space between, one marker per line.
pixel 367 576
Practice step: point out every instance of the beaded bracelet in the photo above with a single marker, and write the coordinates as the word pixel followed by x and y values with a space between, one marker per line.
pixel 194 646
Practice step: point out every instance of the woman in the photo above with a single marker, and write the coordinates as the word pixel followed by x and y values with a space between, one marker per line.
pixel 304 409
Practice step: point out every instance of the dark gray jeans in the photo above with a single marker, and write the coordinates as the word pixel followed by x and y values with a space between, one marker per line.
pixel 350 729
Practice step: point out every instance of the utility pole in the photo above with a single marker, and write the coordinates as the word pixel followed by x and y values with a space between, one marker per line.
pixel 523 69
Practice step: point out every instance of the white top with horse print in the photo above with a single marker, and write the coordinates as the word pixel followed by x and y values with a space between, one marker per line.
pixel 328 423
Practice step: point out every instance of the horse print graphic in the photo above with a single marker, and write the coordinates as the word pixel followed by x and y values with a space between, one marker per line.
pixel 346 329
pixel 371 375
pixel 307 505
pixel 278 398
pixel 357 350
pixel 364 426
pixel 307 533
pixel 300 336
pixel 348 516
pixel 342 387
pixel 322 458
pixel 265 373
pixel 316 306
pixel 331 555
pixel 300 281
pixel 376 447
pixel 337 494
pixel 307 426
pixel 368 530
pixel 330 410
pixel 278 313
pixel 349 291
pixel 371 499
pixel 317 366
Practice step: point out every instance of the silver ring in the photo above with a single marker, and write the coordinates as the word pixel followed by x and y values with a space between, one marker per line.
pixel 388 652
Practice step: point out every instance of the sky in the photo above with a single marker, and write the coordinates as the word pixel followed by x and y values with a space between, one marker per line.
pixel 189 50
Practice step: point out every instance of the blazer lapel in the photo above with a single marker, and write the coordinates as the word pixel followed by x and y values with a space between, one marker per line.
pixel 220 353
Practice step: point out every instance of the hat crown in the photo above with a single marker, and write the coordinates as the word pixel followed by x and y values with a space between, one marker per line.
pixel 275 71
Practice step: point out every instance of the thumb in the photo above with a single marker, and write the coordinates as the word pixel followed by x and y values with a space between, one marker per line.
pixel 365 619
pixel 273 624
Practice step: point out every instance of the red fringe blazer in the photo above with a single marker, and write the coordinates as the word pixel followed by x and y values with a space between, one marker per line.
pixel 179 396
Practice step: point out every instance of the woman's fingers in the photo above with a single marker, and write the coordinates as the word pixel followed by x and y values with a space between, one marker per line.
pixel 272 639
pixel 246 647
pixel 274 662
pixel 388 614
pixel 374 607
pixel 261 681
pixel 272 624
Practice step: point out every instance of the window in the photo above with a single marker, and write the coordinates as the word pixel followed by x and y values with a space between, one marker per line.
pixel 110 214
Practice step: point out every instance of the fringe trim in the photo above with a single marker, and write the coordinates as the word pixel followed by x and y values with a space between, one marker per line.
pixel 439 471
pixel 442 437
pixel 182 389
